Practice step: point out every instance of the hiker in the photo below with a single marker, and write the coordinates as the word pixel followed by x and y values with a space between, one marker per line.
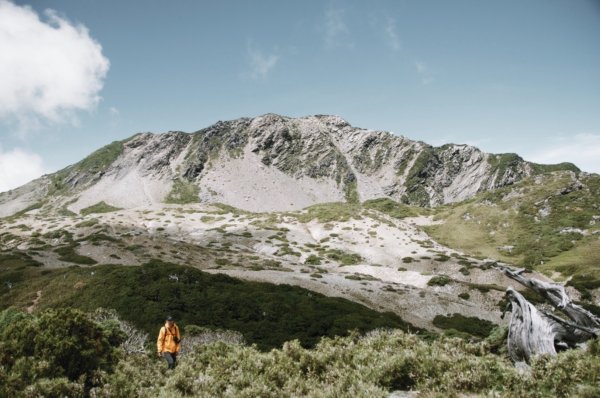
pixel 168 342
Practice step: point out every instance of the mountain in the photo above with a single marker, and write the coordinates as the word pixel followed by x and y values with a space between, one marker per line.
pixel 272 163
pixel 395 225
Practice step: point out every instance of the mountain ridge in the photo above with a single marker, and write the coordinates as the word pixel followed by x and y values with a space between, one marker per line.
pixel 273 163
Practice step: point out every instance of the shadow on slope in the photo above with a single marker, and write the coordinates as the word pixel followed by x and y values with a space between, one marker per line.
pixel 267 315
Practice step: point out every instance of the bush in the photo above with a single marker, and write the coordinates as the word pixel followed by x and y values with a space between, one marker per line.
pixel 194 336
pixel 471 325
pixel 344 258
pixel 267 315
pixel 357 366
pixel 464 296
pixel 439 280
pixel 62 343
pixel 59 387
pixel 313 260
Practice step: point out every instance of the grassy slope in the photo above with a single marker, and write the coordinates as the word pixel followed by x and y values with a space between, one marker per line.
pixel 267 315
pixel 93 164
pixel 512 224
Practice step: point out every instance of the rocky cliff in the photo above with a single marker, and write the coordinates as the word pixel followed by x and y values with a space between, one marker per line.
pixel 272 163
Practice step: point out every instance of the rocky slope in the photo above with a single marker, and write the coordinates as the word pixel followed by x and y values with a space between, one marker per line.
pixel 359 253
pixel 227 199
pixel 272 163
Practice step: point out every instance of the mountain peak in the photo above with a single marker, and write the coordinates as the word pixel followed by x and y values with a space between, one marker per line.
pixel 273 163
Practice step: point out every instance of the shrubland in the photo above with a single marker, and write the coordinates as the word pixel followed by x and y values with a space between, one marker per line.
pixel 72 355
pixel 266 314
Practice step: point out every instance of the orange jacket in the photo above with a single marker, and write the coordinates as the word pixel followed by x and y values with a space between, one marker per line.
pixel 165 342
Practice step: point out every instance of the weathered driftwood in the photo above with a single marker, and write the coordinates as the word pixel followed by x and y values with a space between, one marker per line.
pixel 530 332
pixel 557 296
pixel 533 332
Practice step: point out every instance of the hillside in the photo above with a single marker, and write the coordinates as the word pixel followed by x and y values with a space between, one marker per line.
pixel 415 232
pixel 299 236
pixel 550 223
pixel 272 163
pixel 355 252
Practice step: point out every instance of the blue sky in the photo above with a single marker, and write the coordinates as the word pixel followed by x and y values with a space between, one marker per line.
pixel 507 76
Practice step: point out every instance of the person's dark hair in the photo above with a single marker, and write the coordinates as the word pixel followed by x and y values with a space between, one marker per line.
pixel 169 318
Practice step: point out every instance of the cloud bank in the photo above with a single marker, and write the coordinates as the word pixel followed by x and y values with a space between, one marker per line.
pixel 18 167
pixel 50 68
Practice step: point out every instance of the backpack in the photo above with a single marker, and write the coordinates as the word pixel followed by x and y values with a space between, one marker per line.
pixel 176 339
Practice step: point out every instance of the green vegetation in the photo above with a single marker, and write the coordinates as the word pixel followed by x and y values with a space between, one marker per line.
pixel 536 223
pixel 87 223
pixel 502 162
pixel 21 213
pixel 285 249
pixel 471 325
pixel 548 168
pixel 33 362
pixel 345 258
pixel 313 260
pixel 68 254
pixel 222 261
pixel 102 158
pixel 227 209
pixel 359 366
pixel 64 212
pixel 183 192
pixel 405 161
pixel 100 207
pixel 93 165
pixel 9 260
pixel 407 260
pixel 58 353
pixel 439 280
pixel 393 208
pixel 328 212
pixel 361 277
pixel 441 257
pixel 417 176
pixel 351 193
pixel 266 314
pixel 581 262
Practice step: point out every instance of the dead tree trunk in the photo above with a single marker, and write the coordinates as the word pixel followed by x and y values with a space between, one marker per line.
pixel 530 331
pixel 533 331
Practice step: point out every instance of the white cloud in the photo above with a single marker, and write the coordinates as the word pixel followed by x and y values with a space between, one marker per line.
pixel 260 64
pixel 18 167
pixel 50 68
pixel 581 149
pixel 424 72
pixel 391 34
pixel 335 28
